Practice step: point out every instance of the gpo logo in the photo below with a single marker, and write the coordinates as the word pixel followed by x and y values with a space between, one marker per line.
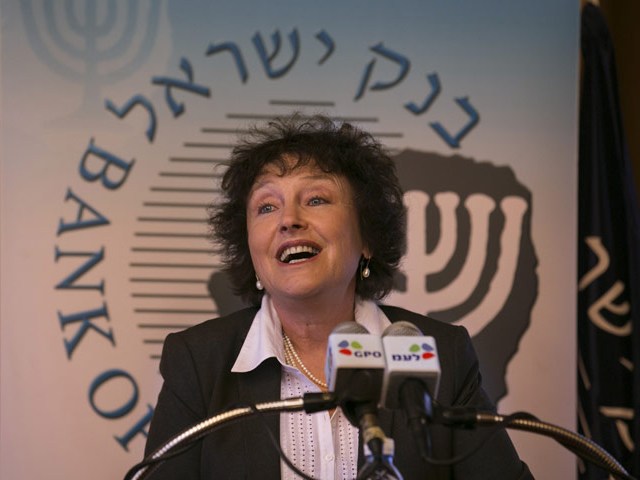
pixel 349 348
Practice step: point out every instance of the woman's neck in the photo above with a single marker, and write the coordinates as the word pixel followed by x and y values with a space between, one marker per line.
pixel 310 322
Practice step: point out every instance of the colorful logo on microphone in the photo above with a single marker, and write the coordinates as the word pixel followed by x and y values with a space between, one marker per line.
pixel 347 348
pixel 356 349
pixel 425 350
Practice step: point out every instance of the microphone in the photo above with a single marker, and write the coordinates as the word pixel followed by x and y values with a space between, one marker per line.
pixel 408 354
pixel 411 378
pixel 354 370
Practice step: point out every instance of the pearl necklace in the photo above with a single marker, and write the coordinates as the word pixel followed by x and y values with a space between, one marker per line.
pixel 292 358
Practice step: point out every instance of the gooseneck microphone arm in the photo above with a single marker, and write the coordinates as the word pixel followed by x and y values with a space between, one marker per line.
pixel 576 443
pixel 581 446
pixel 456 417
pixel 310 403
pixel 412 385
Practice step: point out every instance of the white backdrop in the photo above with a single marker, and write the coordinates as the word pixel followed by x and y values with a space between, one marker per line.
pixel 116 116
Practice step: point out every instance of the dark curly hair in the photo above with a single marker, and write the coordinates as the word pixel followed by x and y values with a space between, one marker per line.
pixel 335 148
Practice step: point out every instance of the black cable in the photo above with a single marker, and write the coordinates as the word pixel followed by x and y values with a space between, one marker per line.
pixel 152 463
pixel 463 456
pixel 467 417
pixel 276 444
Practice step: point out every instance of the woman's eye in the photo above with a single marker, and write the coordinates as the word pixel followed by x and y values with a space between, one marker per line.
pixel 315 201
pixel 266 208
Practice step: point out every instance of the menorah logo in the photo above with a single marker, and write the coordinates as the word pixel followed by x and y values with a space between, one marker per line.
pixel 470 258
pixel 90 42
pixel 419 264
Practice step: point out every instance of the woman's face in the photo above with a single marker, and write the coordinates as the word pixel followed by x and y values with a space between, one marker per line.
pixel 303 233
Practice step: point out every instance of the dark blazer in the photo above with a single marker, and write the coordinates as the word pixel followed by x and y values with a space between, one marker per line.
pixel 198 383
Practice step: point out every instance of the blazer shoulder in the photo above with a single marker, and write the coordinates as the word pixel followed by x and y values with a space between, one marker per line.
pixel 207 350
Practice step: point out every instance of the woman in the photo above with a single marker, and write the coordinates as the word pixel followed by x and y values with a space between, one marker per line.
pixel 311 231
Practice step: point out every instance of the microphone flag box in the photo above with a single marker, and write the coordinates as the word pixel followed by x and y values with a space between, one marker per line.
pixel 409 357
pixel 355 365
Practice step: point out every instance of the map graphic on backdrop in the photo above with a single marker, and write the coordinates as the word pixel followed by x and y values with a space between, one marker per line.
pixel 470 257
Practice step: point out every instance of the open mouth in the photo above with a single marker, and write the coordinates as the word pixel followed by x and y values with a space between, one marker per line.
pixel 299 253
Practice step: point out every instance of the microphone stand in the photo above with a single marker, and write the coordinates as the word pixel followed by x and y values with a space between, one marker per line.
pixel 310 403
pixel 574 442
pixel 380 467
pixel 464 417
pixel 362 412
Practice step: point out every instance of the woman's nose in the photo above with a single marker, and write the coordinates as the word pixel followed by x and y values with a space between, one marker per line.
pixel 292 218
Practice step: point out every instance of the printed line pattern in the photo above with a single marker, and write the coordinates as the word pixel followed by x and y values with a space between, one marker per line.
pixel 171 258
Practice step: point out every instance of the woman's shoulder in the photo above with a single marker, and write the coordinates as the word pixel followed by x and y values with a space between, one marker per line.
pixel 213 342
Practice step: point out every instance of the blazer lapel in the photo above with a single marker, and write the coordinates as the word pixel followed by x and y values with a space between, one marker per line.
pixel 261 385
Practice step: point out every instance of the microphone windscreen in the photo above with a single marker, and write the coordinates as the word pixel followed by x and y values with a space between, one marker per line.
pixel 349 327
pixel 402 329
pixel 354 366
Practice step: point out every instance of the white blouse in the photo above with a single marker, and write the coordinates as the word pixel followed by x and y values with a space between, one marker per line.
pixel 322 446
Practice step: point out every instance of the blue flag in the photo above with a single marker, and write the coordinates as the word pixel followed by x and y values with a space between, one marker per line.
pixel 608 261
